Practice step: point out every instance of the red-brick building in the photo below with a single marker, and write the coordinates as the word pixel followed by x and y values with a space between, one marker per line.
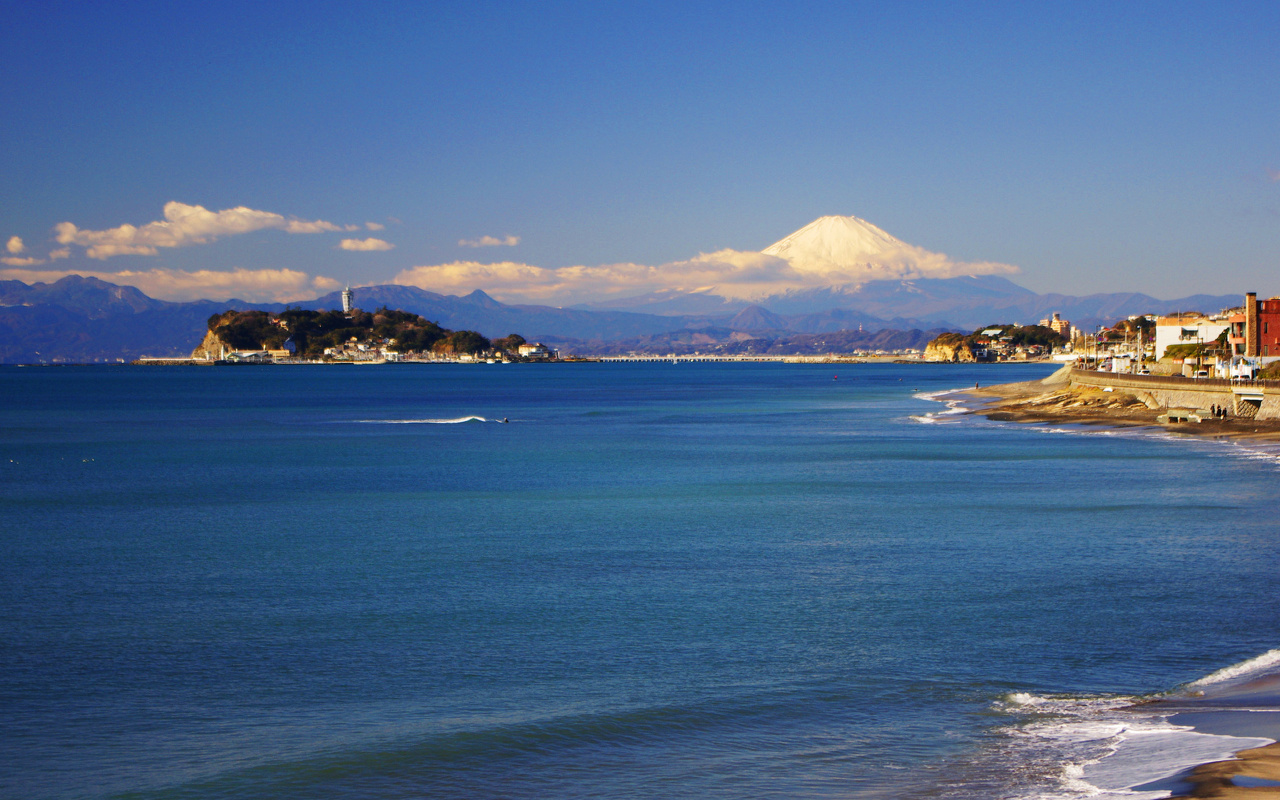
pixel 1256 331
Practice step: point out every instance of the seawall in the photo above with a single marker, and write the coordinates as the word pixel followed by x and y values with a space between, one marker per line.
pixel 1257 399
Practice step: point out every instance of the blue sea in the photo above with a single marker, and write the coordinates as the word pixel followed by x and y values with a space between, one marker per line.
pixel 653 581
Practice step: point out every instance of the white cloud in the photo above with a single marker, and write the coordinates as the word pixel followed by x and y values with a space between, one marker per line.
pixel 263 285
pixel 734 274
pixel 309 226
pixel 375 226
pixel 61 252
pixel 490 241
pixel 15 245
pixel 830 251
pixel 365 244
pixel 15 261
pixel 184 225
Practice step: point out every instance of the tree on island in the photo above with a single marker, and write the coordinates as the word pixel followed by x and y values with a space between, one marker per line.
pixel 312 332
pixel 967 347
pixel 459 342
pixel 1023 335
pixel 510 343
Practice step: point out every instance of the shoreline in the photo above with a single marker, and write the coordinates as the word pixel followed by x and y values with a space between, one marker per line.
pixel 1054 400
pixel 1249 710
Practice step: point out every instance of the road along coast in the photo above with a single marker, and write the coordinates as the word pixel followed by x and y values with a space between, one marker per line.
pixel 1085 398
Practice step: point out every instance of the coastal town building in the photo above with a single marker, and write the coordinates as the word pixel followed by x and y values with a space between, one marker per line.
pixel 1255 329
pixel 249 357
pixel 1188 329
pixel 534 350
pixel 1057 324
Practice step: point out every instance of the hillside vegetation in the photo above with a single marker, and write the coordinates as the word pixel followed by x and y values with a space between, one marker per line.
pixel 992 342
pixel 311 332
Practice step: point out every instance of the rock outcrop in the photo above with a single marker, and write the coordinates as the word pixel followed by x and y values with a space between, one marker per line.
pixel 211 348
pixel 950 347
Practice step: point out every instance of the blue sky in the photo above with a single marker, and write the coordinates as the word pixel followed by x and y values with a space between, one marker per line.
pixel 1096 147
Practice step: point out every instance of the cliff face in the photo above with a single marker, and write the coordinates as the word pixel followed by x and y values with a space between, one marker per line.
pixel 211 349
pixel 949 347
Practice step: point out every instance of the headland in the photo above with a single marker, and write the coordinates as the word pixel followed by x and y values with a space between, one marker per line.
pixel 1184 406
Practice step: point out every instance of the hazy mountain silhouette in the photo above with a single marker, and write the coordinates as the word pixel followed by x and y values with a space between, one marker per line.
pixel 80 319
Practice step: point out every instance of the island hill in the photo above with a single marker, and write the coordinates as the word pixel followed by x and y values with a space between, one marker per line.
pixel 996 343
pixel 297 335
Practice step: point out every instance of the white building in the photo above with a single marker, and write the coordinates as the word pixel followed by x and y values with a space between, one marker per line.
pixel 1188 329
pixel 534 350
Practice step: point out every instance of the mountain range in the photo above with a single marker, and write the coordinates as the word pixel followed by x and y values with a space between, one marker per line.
pixel 77 319
pixel 836 274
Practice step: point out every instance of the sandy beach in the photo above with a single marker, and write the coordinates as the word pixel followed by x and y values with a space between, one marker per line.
pixel 1254 773
pixel 1250 708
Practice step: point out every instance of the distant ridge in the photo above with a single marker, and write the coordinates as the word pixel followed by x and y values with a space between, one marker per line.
pixel 79 319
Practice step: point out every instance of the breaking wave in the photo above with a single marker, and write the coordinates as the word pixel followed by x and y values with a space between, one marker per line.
pixel 455 421
pixel 1257 665
pixel 1104 746
pixel 1113 746
pixel 955 406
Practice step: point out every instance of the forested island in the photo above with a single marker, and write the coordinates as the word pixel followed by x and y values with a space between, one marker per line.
pixel 995 343
pixel 383 334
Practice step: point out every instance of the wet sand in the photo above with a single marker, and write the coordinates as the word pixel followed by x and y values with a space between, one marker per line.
pixel 1248 709
pixel 1253 773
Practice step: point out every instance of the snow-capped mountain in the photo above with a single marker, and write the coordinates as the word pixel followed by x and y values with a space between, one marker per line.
pixel 834 274
pixel 844 247
pixel 846 264
pixel 824 265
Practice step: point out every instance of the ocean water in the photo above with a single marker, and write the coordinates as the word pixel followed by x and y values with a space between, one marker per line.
pixel 655 581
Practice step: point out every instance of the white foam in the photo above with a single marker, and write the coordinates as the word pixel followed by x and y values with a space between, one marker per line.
pixel 935 395
pixel 1253 666
pixel 955 406
pixel 1141 756
pixel 925 419
pixel 1260 451
pixel 1106 746
pixel 1066 705
pixel 423 421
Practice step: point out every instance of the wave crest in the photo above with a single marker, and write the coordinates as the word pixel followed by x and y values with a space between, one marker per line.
pixel 454 421
pixel 1249 667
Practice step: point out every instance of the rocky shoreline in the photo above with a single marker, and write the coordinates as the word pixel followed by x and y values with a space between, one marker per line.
pixel 1055 400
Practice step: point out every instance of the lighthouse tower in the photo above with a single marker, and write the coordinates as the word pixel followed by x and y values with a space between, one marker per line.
pixel 347 297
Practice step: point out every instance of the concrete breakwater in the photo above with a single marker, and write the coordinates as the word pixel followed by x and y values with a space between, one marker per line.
pixel 1255 399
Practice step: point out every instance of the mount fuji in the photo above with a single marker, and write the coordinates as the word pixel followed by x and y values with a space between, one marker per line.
pixel 836 274
pixel 844 265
